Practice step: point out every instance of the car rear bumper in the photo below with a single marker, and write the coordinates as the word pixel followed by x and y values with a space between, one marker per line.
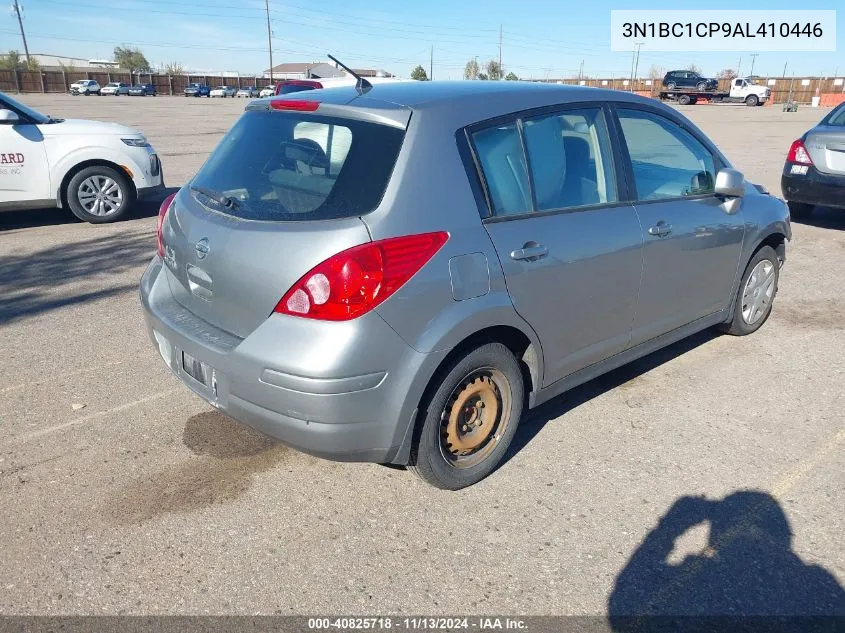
pixel 342 391
pixel 813 187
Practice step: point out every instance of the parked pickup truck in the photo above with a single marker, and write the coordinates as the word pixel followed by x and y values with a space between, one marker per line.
pixel 743 90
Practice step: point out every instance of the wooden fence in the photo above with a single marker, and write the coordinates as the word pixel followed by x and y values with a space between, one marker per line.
pixel 803 88
pixel 59 81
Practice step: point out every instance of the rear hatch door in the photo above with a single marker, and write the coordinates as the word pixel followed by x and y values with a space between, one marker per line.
pixel 282 192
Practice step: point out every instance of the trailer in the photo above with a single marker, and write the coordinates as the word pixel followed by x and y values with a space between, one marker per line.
pixel 743 90
pixel 691 95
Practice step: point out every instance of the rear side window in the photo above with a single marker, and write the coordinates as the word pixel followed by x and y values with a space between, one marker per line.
pixel 499 150
pixel 571 161
pixel 283 166
pixel 568 158
pixel 668 162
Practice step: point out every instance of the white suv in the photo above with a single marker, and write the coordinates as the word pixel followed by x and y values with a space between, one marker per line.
pixel 85 87
pixel 96 169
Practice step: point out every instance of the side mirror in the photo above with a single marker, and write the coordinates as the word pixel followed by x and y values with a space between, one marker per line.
pixel 8 117
pixel 730 183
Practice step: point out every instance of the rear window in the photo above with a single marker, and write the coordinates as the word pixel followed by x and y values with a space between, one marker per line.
pixel 284 166
pixel 288 89
pixel 837 117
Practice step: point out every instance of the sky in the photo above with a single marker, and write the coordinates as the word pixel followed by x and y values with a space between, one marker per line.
pixel 540 38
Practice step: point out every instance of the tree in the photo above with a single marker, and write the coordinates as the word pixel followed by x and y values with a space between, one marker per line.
pixel 174 68
pixel 656 72
pixel 511 77
pixel 494 70
pixel 13 61
pixel 419 74
pixel 132 59
pixel 727 73
pixel 471 70
pixel 483 76
pixel 694 68
pixel 68 68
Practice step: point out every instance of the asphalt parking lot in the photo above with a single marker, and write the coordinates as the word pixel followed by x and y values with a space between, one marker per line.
pixel 123 493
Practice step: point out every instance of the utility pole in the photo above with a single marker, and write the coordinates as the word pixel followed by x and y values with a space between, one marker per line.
pixel 738 67
pixel 581 70
pixel 753 59
pixel 431 65
pixel 637 64
pixel 784 68
pixel 500 52
pixel 635 54
pixel 17 9
pixel 269 38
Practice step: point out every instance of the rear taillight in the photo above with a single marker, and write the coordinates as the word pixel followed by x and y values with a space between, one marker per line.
pixel 299 105
pixel 162 213
pixel 799 154
pixel 356 280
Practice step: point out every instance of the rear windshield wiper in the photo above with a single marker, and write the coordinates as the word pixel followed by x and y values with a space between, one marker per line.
pixel 227 201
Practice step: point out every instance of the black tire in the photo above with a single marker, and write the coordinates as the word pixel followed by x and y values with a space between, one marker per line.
pixel 800 210
pixel 71 194
pixel 701 86
pixel 738 325
pixel 684 100
pixel 751 100
pixel 671 85
pixel 493 365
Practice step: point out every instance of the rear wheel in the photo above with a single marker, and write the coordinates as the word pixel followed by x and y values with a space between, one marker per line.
pixel 99 194
pixel 800 210
pixel 757 291
pixel 671 85
pixel 470 418
pixel 684 99
pixel 751 100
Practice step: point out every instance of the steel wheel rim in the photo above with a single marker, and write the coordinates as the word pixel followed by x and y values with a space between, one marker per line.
pixel 758 292
pixel 100 195
pixel 475 417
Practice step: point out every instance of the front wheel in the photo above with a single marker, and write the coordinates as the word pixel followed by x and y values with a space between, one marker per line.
pixel 671 85
pixel 757 291
pixel 469 419
pixel 99 194
pixel 751 100
pixel 701 87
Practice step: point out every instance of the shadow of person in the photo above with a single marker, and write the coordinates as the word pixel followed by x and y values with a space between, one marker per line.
pixel 747 569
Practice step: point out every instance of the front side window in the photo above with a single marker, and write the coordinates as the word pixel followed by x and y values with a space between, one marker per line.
pixel 667 161
pixel 570 158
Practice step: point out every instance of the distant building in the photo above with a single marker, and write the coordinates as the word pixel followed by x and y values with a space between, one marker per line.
pixel 318 70
pixel 297 70
pixel 58 62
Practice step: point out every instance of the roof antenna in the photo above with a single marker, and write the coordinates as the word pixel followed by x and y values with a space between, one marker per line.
pixel 363 85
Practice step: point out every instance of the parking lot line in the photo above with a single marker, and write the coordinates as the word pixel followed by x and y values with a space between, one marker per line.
pixel 86 370
pixel 92 416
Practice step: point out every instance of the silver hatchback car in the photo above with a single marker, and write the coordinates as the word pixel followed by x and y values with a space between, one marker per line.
pixel 395 275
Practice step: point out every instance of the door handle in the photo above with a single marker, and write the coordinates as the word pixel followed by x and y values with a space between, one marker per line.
pixel 661 229
pixel 530 251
